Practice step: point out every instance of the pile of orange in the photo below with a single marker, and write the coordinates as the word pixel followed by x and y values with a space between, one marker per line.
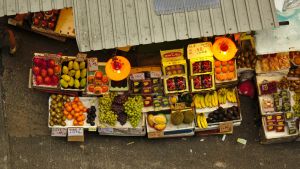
pixel 75 110
pixel 225 70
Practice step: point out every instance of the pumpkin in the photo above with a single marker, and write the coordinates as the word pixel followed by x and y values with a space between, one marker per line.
pixel 117 68
pixel 224 49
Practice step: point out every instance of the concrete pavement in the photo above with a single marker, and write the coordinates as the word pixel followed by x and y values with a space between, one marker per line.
pixel 26 144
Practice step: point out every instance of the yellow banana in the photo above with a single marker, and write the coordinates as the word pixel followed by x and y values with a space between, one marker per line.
pixel 199 121
pixel 206 101
pixel 203 121
pixel 202 102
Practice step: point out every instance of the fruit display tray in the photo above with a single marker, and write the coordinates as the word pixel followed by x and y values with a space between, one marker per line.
pixel 87 102
pixel 221 73
pixel 274 134
pixel 125 130
pixel 171 130
pixel 101 68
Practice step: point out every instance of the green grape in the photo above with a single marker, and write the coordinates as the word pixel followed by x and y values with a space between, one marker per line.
pixel 133 108
pixel 105 114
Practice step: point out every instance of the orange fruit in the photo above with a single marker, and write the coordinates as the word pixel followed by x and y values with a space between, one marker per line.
pixel 79 118
pixel 222 77
pixel 75 123
pixel 76 114
pixel 77 110
pixel 69 108
pixel 80 113
pixel 231 68
pixel 218 70
pixel 230 76
pixel 231 62
pixel 66 112
pixel 74 106
pixel 224 69
pixel 80 123
pixel 83 117
pixel 72 112
pixel 224 63
pixel 84 109
pixel 218 76
pixel 69 117
pixel 76 99
pixel 67 104
pixel 80 107
pixel 217 63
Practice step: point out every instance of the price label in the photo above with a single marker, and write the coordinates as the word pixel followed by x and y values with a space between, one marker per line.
pixel 107 130
pixel 75 131
pixel 81 57
pixel 137 76
pixel 59 132
pixel 199 50
pixel 179 106
pixel 92 128
pixel 155 74
pixel 157 134
pixel 226 127
pixel 92 64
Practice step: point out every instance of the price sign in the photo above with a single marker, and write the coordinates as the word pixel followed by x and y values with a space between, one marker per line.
pixel 226 127
pixel 81 57
pixel 92 128
pixel 156 134
pixel 75 131
pixel 199 50
pixel 92 64
pixel 155 74
pixel 137 76
pixel 59 132
pixel 179 106
pixel 106 130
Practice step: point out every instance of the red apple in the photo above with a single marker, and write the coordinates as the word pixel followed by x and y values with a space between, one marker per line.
pixel 37 61
pixel 36 70
pixel 57 69
pixel 39 80
pixel 55 80
pixel 47 80
pixel 51 63
pixel 44 72
pixel 36 21
pixel 51 25
pixel 44 23
pixel 43 64
pixel 50 71
pixel 38 15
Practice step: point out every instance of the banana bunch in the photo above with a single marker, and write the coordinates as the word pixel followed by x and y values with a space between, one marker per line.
pixel 231 97
pixel 209 100
pixel 201 121
pixel 222 95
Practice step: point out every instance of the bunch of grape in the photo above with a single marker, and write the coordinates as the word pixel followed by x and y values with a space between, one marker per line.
pixel 296 106
pixel 133 109
pixel 105 114
pixel 122 118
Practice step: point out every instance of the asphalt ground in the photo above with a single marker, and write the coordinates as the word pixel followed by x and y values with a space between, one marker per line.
pixel 26 142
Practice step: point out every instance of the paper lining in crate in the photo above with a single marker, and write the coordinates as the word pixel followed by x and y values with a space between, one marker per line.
pixel 46 70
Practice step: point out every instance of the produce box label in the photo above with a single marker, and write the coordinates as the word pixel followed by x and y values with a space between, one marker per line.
pixel 156 134
pixel 137 76
pixel 175 54
pixel 75 131
pixel 81 57
pixel 92 64
pixel 155 74
pixel 226 127
pixel 199 50
pixel 59 132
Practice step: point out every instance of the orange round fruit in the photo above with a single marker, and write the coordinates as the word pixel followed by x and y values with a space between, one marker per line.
pixel 80 123
pixel 224 63
pixel 75 123
pixel 224 69
pixel 231 62
pixel 217 63
pixel 231 68
pixel 218 76
pixel 69 117
pixel 69 108
pixel 230 76
pixel 218 70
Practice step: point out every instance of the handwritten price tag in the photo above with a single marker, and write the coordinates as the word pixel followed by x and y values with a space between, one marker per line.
pixel 59 132
pixel 155 74
pixel 137 76
pixel 75 131
pixel 226 127
pixel 92 64
pixel 81 57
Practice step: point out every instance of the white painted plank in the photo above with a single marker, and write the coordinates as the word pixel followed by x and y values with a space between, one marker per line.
pixel 156 24
pixel 254 15
pixel 133 34
pixel 46 5
pixel 266 13
pixel 34 5
pixel 119 23
pixel 2 8
pixel 11 7
pixel 108 33
pixel 58 4
pixel 206 25
pixel 217 21
pixel 229 16
pixel 69 3
pixel 194 25
pixel 82 25
pixel 22 6
pixel 142 16
pixel 241 15
pixel 169 27
pixel 180 26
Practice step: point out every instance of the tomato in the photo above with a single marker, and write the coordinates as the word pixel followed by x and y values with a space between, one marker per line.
pixel 104 79
pixel 104 89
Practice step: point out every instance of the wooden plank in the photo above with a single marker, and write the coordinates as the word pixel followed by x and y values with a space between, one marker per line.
pixel 169 27
pixel 46 5
pixel 131 21
pixel 229 16
pixel 68 3
pixel 206 25
pixel 58 4
pixel 241 15
pixel 22 6
pixel 266 13
pixel 193 24
pixel 34 5
pixel 11 7
pixel 180 26
pixel 94 25
pixel 254 15
pixel 107 23
pixel 156 24
pixel 120 28
pixel 217 21
pixel 3 8
pixel 144 25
